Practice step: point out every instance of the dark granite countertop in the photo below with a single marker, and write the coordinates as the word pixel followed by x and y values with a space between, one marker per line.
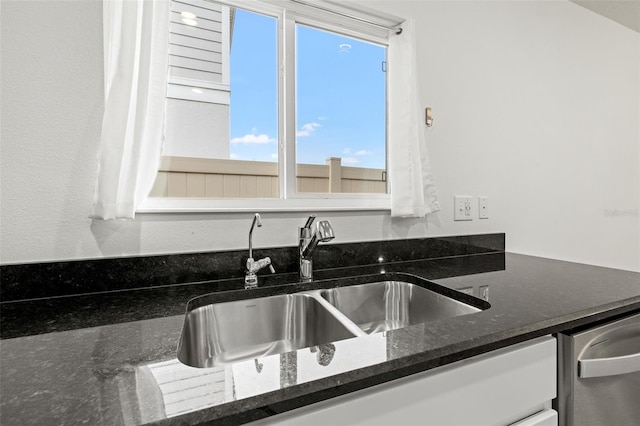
pixel 110 358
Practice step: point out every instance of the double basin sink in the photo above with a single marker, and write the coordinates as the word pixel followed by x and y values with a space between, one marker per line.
pixel 221 333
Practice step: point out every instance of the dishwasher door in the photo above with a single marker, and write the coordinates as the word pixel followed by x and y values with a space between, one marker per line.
pixel 599 375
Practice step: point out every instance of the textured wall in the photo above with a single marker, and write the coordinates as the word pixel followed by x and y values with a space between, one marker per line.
pixel 536 106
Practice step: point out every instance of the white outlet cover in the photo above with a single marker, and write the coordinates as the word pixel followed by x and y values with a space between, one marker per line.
pixel 462 207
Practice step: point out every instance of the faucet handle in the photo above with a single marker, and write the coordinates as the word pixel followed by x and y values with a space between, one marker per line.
pixel 255 265
pixel 309 221
pixel 266 262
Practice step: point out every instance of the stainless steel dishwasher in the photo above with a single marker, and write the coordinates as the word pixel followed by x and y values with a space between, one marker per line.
pixel 599 375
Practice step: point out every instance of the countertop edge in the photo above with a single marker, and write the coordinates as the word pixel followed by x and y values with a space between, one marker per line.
pixel 304 394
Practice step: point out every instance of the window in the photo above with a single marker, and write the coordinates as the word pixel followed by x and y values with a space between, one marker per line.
pixel 273 108
pixel 340 111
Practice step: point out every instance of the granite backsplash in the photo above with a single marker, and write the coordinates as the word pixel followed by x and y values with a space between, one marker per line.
pixel 53 279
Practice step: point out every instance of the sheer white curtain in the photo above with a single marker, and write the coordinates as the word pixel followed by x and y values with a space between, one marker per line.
pixel 413 191
pixel 135 73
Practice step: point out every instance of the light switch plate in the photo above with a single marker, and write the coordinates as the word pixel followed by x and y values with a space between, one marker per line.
pixel 483 207
pixel 462 207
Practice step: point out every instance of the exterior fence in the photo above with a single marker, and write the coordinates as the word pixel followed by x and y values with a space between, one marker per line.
pixel 186 177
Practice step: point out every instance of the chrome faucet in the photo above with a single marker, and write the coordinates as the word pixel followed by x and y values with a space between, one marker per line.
pixel 308 241
pixel 253 266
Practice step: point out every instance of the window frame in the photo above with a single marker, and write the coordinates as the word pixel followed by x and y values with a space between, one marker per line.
pixel 287 15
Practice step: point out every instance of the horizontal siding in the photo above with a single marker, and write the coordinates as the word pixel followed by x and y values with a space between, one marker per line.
pixel 200 23
pixel 195 75
pixel 186 389
pixel 202 7
pixel 195 53
pixel 195 32
pixel 198 54
pixel 196 43
pixel 195 64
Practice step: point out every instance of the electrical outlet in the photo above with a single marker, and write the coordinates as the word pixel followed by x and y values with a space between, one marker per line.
pixel 484 292
pixel 462 206
pixel 483 207
pixel 466 290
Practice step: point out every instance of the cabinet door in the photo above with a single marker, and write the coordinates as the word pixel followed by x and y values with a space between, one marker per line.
pixel 497 388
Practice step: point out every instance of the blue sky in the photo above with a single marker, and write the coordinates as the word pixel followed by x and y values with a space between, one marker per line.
pixel 340 95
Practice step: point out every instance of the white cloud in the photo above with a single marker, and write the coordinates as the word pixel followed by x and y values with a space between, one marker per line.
pixel 346 151
pixel 350 160
pixel 234 156
pixel 251 138
pixel 274 156
pixel 307 129
pixel 362 152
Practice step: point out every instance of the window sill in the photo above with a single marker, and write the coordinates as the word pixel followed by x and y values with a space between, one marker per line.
pixel 204 205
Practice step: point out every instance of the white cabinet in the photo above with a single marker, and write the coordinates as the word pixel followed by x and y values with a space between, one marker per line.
pixel 503 387
pixel 547 417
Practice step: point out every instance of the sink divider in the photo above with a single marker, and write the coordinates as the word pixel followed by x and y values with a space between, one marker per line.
pixel 350 325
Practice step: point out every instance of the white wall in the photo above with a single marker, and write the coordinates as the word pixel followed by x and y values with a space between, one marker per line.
pixel 536 105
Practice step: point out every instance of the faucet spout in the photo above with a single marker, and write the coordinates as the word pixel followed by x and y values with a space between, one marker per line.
pixel 256 221
pixel 253 266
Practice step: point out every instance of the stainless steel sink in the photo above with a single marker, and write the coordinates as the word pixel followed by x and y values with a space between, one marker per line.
pixel 389 305
pixel 221 333
pixel 228 332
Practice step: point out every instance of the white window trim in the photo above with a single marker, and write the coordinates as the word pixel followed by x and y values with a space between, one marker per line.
pixel 292 201
pixel 207 205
